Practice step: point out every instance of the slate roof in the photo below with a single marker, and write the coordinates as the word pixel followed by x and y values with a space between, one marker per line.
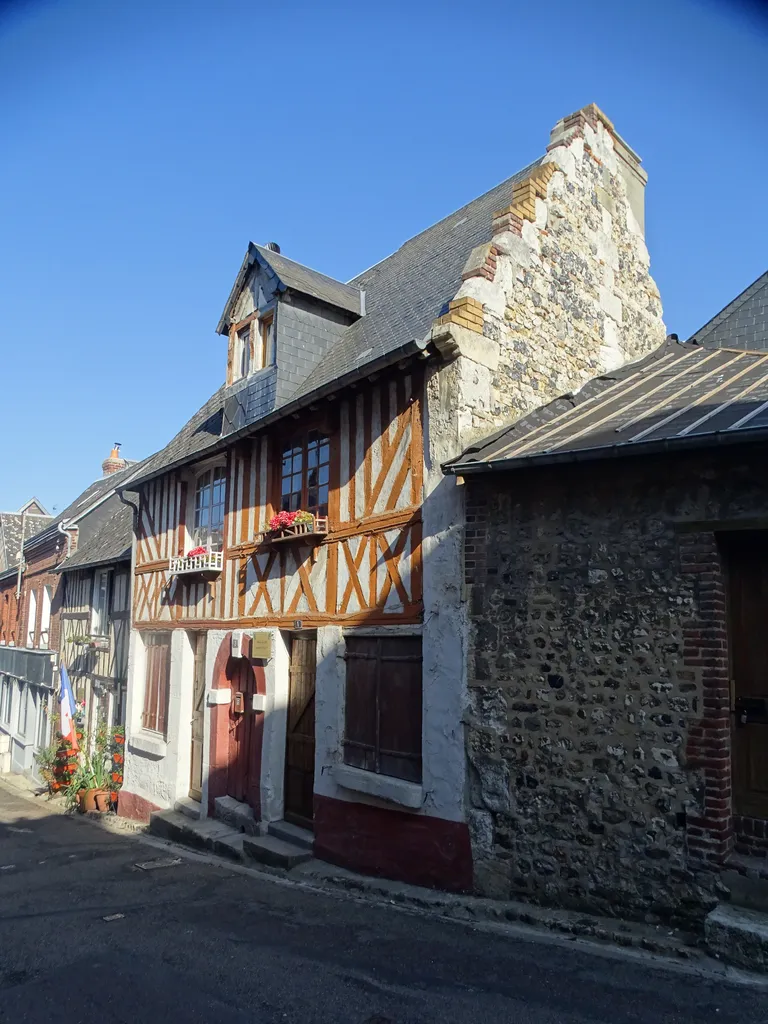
pixel 742 324
pixel 406 291
pixel 681 395
pixel 403 295
pixel 98 489
pixel 105 535
pixel 10 534
pixel 311 282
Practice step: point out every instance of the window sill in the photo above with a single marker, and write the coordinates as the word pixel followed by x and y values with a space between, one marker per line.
pixel 149 743
pixel 385 787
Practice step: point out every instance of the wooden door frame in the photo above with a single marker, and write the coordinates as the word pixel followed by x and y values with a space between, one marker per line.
pixel 716 832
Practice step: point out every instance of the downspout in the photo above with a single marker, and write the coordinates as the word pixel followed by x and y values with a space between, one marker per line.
pixel 68 534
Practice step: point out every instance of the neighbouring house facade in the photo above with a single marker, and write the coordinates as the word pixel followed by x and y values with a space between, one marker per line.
pixel 64 601
pixel 17 527
pixel 617 572
pixel 320 676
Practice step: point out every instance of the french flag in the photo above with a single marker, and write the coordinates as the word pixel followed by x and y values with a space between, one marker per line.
pixel 68 730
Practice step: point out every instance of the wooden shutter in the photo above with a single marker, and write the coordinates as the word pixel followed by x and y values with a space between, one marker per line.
pixel 383 705
pixel 158 648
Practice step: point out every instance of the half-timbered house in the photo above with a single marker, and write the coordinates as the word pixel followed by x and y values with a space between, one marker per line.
pixel 68 600
pixel 316 674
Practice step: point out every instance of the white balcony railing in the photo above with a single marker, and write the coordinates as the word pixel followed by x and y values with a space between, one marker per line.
pixel 212 562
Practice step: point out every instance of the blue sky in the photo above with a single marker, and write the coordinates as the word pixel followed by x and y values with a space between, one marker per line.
pixel 144 144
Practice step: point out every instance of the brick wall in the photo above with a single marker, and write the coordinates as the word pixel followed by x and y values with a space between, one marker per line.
pixel 38 573
pixel 598 731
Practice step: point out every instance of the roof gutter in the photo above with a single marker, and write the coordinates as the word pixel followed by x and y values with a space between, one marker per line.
pixel 410 348
pixel 615 451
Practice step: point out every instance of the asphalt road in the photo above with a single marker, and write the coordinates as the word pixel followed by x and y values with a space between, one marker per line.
pixel 199 942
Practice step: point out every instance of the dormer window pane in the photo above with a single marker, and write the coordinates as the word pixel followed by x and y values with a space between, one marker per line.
pixel 266 335
pixel 244 346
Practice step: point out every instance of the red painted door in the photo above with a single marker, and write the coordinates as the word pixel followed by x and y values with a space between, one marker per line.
pixel 245 733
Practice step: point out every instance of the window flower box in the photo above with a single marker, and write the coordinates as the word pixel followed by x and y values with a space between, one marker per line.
pixel 98 643
pixel 296 526
pixel 197 562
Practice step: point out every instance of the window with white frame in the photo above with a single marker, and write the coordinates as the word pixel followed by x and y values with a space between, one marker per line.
pixel 31 618
pixel 210 496
pixel 23 723
pixel 6 697
pixel 45 616
pixel 100 603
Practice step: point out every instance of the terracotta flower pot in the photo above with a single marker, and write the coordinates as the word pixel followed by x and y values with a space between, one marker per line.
pixel 89 799
pixel 102 800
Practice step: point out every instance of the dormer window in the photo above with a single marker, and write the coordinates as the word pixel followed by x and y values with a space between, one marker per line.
pixel 266 337
pixel 244 350
pixel 210 494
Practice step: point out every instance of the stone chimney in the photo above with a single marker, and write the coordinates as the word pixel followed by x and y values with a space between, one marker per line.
pixel 114 463
pixel 634 176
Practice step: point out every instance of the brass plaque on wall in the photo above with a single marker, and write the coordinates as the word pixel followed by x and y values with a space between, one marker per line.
pixel 261 644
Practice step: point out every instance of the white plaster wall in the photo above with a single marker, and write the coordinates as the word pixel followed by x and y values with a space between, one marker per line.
pixel 157 768
pixel 214 639
pixel 275 720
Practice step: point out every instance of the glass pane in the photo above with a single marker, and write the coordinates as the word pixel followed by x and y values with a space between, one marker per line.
pixel 322 495
pixel 324 474
pixel 312 456
pixel 286 465
pixel 296 483
pixel 297 463
pixel 311 500
pixel 295 501
pixel 312 478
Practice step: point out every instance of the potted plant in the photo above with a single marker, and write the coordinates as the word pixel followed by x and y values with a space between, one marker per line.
pixel 288 525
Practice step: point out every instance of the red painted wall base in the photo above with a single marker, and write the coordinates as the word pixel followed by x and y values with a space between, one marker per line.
pixel 130 805
pixel 394 844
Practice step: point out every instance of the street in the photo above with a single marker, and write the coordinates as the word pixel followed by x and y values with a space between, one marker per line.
pixel 200 942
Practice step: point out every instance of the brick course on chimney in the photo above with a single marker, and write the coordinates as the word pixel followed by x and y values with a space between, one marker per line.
pixel 114 463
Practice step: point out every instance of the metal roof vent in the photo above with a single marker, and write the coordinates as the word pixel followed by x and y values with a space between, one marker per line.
pixel 273 247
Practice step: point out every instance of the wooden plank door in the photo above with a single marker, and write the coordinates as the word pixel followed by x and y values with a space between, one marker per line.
pixel 198 719
pixel 300 733
pixel 241 723
pixel 748 643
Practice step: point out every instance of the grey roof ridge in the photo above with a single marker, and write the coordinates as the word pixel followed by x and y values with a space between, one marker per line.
pixel 413 347
pixel 732 306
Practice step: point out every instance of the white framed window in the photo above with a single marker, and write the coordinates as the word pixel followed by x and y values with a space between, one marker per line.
pixel 45 616
pixel 23 723
pixel 244 351
pixel 31 618
pixel 100 603
pixel 6 697
pixel 210 497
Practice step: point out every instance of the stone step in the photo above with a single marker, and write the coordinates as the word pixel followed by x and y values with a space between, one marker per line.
pixel 201 835
pixel 738 936
pixel 748 892
pixel 292 834
pixel 189 807
pixel 236 814
pixel 274 852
